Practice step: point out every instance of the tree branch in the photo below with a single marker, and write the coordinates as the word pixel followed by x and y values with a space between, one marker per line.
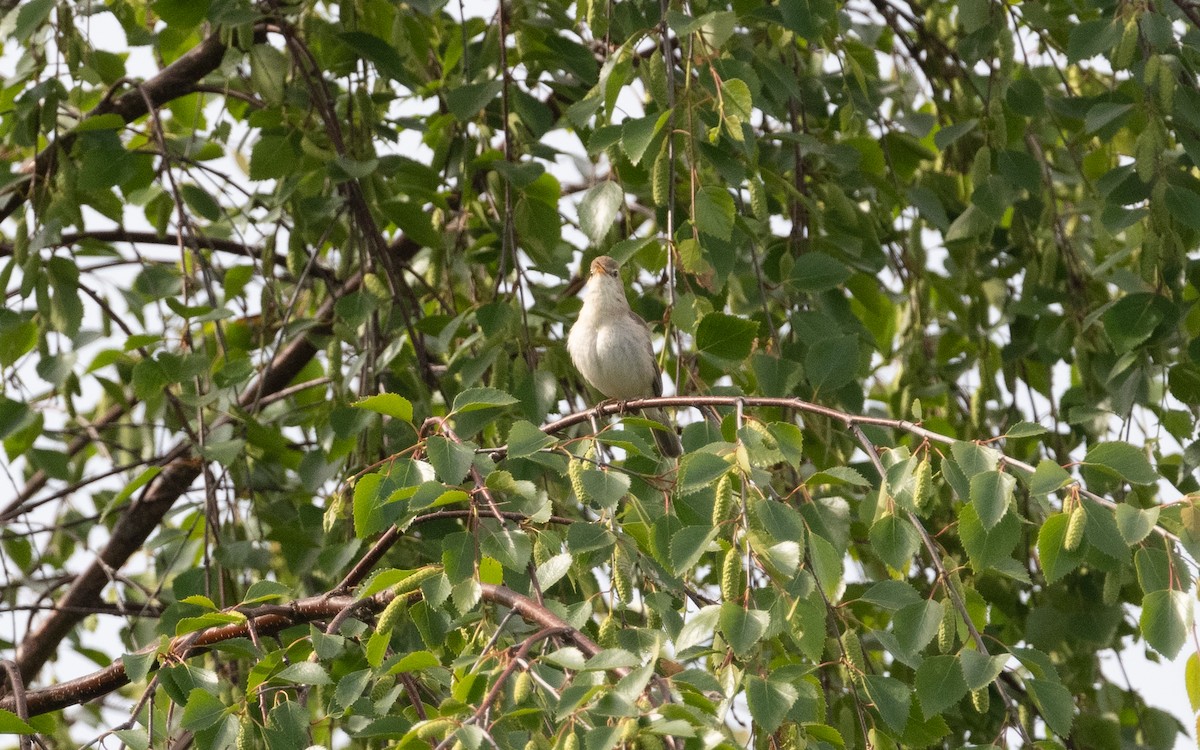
pixel 141 517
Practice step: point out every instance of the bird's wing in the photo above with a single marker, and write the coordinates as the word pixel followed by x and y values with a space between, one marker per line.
pixel 655 386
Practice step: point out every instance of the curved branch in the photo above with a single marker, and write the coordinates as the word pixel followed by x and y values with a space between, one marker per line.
pixel 848 422
pixel 270 619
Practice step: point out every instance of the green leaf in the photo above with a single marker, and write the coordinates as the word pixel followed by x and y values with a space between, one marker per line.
pixel 736 99
pixel 1135 524
pixel 698 629
pixel 1122 459
pixel 388 404
pixel 272 157
pixel 138 665
pixel 35 13
pixel 1191 678
pixel 262 591
pixel 1103 114
pixel 687 546
pixel 141 480
pixel 1133 319
pixel 474 399
pixel 1048 477
pixel 1184 204
pixel 1056 560
pixel 525 439
pixel 200 201
pixel 991 494
pixel 945 137
pixel 599 209
pixel 939 684
pixel 779 521
pixel 725 336
pixel 892 698
pixel 1166 619
pixel 832 362
pixel 465 102
pixel 892 595
pixel 203 710
pixel 304 673
pixel 367 519
pixel 1054 703
pixel 979 670
pixel 605 486
pixel 1025 430
pixel 585 537
pixel 743 628
pixel 181 13
pixel 512 547
pixel 816 272
pixel 769 701
pixel 386 59
pixel 451 460
pixel 715 211
pixel 827 565
pixel 974 458
pixel 638 133
pixel 10 723
pixel 895 541
pixel 699 470
pixel 916 625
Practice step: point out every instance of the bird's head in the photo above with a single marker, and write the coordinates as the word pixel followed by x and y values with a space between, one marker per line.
pixel 606 266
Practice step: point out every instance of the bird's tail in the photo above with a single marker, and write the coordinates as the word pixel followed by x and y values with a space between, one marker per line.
pixel 668 441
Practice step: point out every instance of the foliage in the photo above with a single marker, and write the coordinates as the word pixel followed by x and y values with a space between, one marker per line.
pixel 284 370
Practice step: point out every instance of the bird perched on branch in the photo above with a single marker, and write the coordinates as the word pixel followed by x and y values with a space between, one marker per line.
pixel 610 346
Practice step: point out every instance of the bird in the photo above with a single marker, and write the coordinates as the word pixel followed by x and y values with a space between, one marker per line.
pixel 610 346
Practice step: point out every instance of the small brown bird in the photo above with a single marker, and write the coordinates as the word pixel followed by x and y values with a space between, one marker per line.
pixel 610 346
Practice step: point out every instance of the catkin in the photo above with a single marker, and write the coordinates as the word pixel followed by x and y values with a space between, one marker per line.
pixel 758 199
pixel 724 501
pixel 731 575
pixel 575 474
pixel 947 628
pixel 979 699
pixel 1075 526
pixel 854 655
pixel 660 176
pixel 1112 588
pixel 922 484
pixel 621 574
pixel 392 614
pixel 648 741
pixel 607 637
pixel 434 728
pixel 522 687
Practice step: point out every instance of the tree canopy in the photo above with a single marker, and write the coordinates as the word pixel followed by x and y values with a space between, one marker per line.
pixel 295 454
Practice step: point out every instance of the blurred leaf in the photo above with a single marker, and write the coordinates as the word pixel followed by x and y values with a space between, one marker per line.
pixel 599 209
pixel 1122 459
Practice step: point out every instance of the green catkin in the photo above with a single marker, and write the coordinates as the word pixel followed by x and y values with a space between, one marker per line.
pixel 979 699
pixel 922 485
pixel 607 637
pixel 621 574
pixel 947 629
pixel 575 474
pixel 1076 524
pixel 724 501
pixel 660 177
pixel 1112 588
pixel 522 687
pixel 731 575
pixel 854 655
pixel 758 199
